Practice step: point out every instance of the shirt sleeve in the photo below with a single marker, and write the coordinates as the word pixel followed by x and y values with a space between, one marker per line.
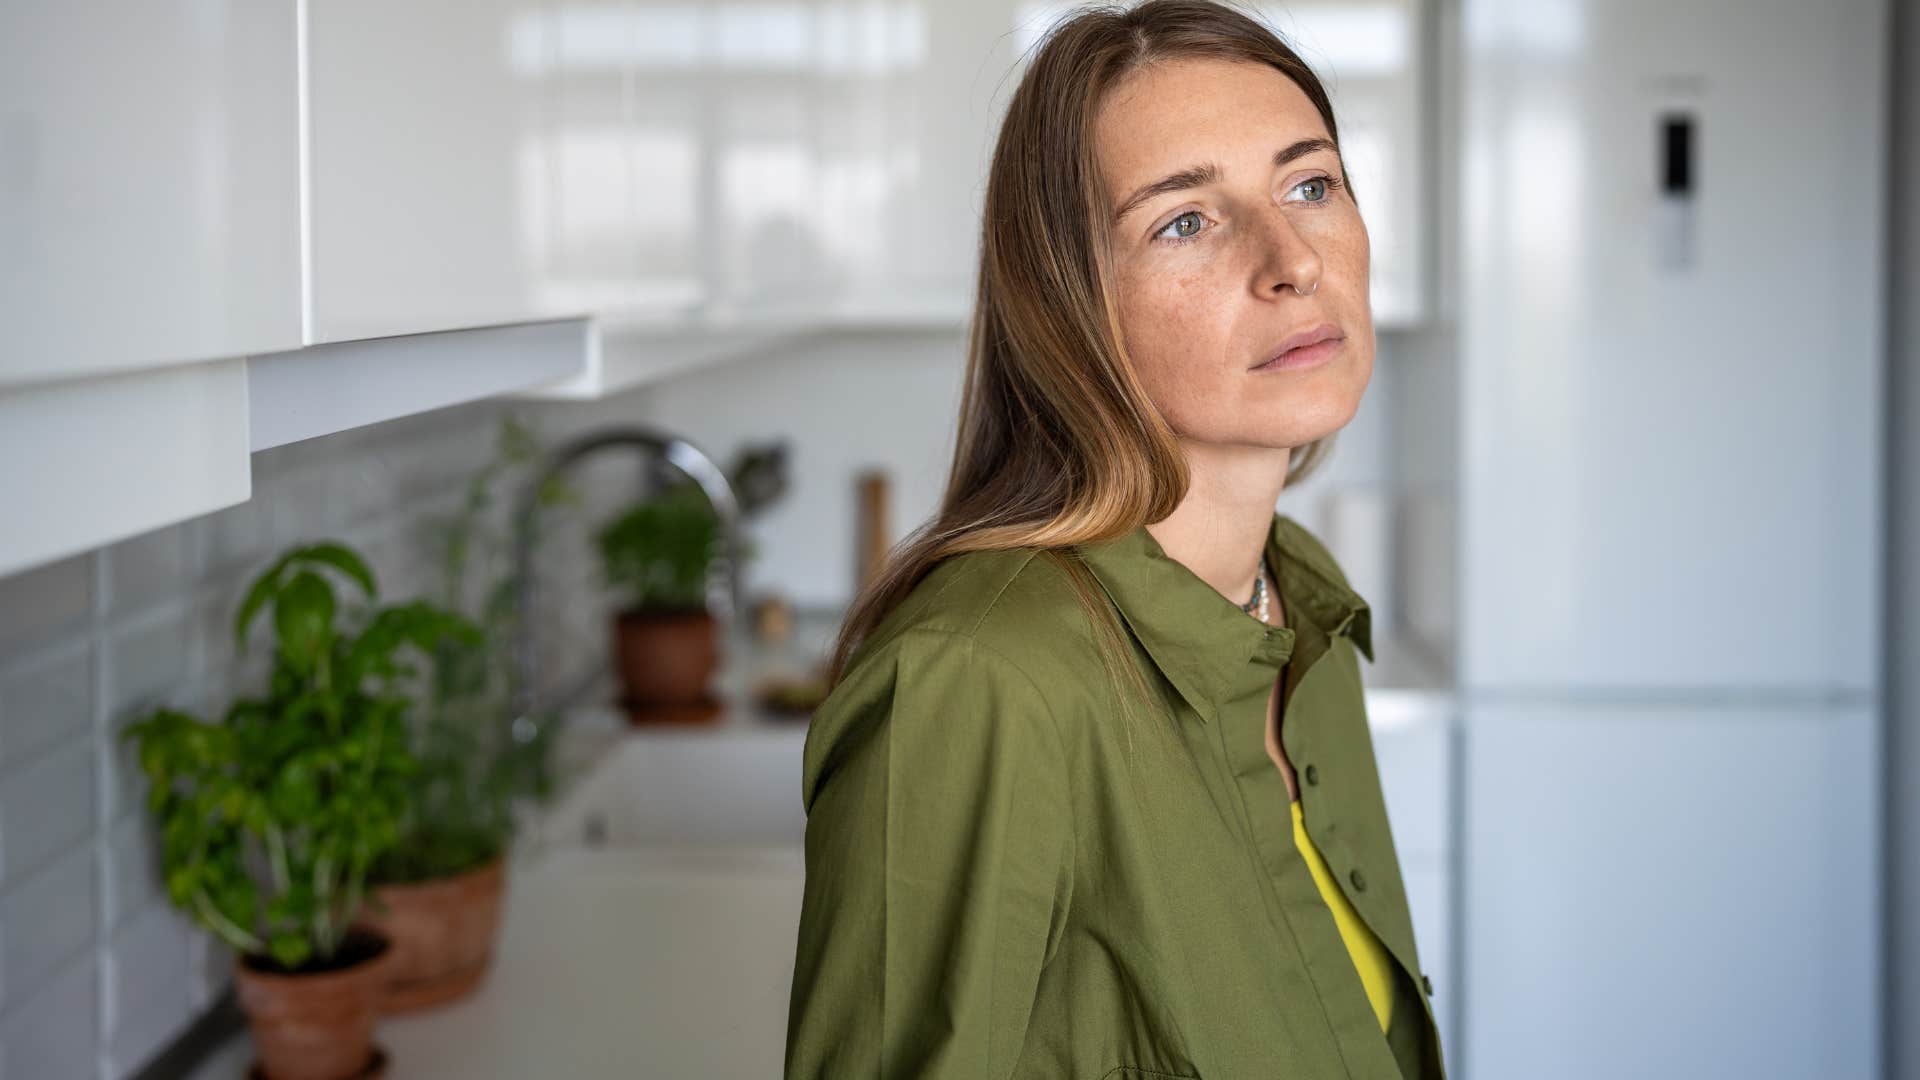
pixel 939 865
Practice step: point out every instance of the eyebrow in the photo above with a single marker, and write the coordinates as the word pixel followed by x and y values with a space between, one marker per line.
pixel 1209 173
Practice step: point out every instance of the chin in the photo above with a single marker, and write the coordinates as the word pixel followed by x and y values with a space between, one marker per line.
pixel 1318 417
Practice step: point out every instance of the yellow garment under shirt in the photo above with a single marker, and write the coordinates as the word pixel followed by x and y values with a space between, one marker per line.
pixel 1376 968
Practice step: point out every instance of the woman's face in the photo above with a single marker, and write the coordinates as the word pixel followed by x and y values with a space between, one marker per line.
pixel 1228 196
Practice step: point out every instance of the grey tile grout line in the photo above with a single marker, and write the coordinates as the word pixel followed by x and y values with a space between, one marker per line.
pixel 46 654
pixel 102 777
pixel 11 764
pixel 197 677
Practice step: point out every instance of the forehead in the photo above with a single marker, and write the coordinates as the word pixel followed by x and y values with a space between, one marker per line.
pixel 1173 114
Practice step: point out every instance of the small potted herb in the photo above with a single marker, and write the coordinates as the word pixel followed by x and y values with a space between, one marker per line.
pixel 270 818
pixel 657 555
pixel 438 892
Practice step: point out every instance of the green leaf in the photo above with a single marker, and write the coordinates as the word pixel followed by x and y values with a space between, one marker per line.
pixel 181 883
pixel 289 950
pixel 295 795
pixel 344 559
pixel 303 616
pixel 258 594
pixel 660 551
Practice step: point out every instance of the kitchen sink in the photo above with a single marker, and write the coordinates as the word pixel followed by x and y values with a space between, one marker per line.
pixel 735 783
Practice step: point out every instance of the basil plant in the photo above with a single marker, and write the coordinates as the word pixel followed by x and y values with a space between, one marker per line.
pixel 269 818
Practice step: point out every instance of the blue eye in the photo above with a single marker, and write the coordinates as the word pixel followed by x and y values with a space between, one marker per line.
pixel 1317 189
pixel 1182 237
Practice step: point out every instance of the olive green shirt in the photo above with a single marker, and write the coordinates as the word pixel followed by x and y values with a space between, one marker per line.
pixel 1007 877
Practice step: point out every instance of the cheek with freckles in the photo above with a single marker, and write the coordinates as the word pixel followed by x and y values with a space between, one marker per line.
pixel 1178 333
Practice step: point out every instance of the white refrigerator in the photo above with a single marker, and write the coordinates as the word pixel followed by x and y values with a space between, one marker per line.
pixel 1670 338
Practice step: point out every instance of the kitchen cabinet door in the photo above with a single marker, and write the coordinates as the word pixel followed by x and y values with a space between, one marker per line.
pixel 1671 891
pixel 149 184
pixel 682 159
pixel 922 88
pixel 93 461
pixel 760 83
pixel 630 219
pixel 426 121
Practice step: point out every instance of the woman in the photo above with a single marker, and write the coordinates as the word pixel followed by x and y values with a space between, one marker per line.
pixel 1056 824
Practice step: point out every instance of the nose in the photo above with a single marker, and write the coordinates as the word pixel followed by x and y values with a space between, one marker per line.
pixel 1287 260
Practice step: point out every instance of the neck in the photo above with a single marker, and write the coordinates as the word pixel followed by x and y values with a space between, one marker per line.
pixel 1220 528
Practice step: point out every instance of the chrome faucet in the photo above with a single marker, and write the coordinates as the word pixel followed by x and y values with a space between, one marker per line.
pixel 675 452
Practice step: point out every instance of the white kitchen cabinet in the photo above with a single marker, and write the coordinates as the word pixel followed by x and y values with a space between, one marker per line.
pixel 727 177
pixel 85 462
pixel 926 86
pixel 626 225
pixel 149 184
pixel 1671 891
pixel 760 78
pixel 322 389
pixel 425 153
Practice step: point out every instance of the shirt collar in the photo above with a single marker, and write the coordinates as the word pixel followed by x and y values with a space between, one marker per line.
pixel 1201 640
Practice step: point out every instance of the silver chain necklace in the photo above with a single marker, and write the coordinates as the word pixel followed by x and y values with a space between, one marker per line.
pixel 1259 599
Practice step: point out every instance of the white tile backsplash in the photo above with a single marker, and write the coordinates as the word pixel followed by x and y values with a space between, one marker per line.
pixel 45 603
pixel 47 920
pixel 209 968
pixel 46 702
pixel 304 505
pixel 46 808
pixel 148 660
pixel 150 566
pixel 234 538
pixel 132 879
pixel 53 1034
pixel 124 786
pixel 145 999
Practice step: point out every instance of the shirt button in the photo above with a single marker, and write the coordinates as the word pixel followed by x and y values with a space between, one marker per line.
pixel 1267 633
pixel 1359 879
pixel 1313 774
pixel 1427 985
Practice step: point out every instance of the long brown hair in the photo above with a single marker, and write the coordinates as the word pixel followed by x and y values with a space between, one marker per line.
pixel 1058 443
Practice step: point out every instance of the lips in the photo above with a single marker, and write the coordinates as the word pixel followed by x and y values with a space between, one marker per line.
pixel 1292 347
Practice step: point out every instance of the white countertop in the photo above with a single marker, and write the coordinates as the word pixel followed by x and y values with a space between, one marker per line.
pixel 615 963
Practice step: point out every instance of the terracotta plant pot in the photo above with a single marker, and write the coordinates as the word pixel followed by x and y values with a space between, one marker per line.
pixel 666 659
pixel 442 932
pixel 317 1025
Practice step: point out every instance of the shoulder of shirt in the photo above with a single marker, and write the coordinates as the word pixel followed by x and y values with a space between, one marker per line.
pixel 1013 613
pixel 1017 606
